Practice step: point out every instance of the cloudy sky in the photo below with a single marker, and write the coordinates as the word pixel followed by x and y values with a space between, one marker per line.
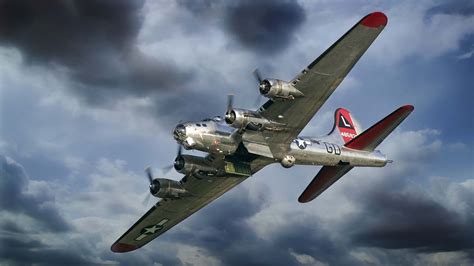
pixel 90 90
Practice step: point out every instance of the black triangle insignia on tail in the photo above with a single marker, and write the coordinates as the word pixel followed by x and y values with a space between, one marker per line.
pixel 344 122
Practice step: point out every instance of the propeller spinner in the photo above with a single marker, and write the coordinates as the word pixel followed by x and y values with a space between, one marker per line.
pixel 230 114
pixel 264 85
pixel 154 184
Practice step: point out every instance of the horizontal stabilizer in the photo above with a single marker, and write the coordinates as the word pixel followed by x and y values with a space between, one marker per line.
pixel 324 179
pixel 366 141
pixel 372 137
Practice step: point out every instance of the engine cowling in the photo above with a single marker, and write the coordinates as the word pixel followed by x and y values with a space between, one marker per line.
pixel 242 118
pixel 278 89
pixel 189 164
pixel 166 188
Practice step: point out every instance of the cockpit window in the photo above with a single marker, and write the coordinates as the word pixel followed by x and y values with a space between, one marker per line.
pixel 198 125
pixel 204 125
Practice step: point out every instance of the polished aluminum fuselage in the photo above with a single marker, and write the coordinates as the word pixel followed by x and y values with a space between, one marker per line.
pixel 210 135
pixel 216 137
pixel 309 151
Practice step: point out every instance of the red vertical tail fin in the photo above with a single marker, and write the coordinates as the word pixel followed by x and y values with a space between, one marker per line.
pixel 345 128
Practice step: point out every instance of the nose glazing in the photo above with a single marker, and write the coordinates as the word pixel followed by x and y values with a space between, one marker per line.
pixel 179 132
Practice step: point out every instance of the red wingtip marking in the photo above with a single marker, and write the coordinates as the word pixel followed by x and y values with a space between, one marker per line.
pixel 121 248
pixel 374 20
pixel 303 200
pixel 408 107
pixel 300 200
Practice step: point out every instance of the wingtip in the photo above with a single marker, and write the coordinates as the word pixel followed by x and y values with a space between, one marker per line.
pixel 408 107
pixel 304 199
pixel 122 248
pixel 375 20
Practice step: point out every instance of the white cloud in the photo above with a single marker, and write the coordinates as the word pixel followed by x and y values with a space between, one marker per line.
pixel 466 55
pixel 306 259
pixel 191 255
pixel 444 258
pixel 102 199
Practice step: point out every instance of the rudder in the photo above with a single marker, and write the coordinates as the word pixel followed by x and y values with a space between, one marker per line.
pixel 345 127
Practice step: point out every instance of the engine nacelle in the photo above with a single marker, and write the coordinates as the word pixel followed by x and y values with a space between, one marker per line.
pixel 288 161
pixel 166 188
pixel 189 164
pixel 242 118
pixel 278 89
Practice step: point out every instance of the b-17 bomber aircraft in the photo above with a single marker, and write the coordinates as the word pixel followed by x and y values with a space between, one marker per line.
pixel 244 141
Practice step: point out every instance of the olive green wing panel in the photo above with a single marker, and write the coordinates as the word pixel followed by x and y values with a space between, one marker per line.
pixel 166 213
pixel 318 81
pixel 202 190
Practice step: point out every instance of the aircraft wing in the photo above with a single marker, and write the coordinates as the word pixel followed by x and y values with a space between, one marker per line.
pixel 166 213
pixel 319 80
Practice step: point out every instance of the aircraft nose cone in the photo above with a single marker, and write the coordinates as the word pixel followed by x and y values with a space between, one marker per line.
pixel 179 132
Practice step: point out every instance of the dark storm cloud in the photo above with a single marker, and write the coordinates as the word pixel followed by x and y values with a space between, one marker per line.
pixel 223 230
pixel 397 217
pixel 460 7
pixel 265 27
pixel 27 251
pixel 389 220
pixel 15 197
pixel 93 41
pixel 19 242
pixel 189 106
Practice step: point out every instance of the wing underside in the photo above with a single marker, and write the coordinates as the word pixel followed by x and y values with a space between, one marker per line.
pixel 318 81
pixel 166 213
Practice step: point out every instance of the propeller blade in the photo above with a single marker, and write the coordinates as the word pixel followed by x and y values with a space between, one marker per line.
pixel 258 75
pixel 165 170
pixel 149 174
pixel 230 100
pixel 146 199
pixel 258 100
pixel 180 149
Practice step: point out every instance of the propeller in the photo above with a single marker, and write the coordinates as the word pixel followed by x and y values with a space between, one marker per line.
pixel 149 174
pixel 230 101
pixel 263 85
pixel 258 75
pixel 165 170
pixel 229 115
pixel 154 186
pixel 146 199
